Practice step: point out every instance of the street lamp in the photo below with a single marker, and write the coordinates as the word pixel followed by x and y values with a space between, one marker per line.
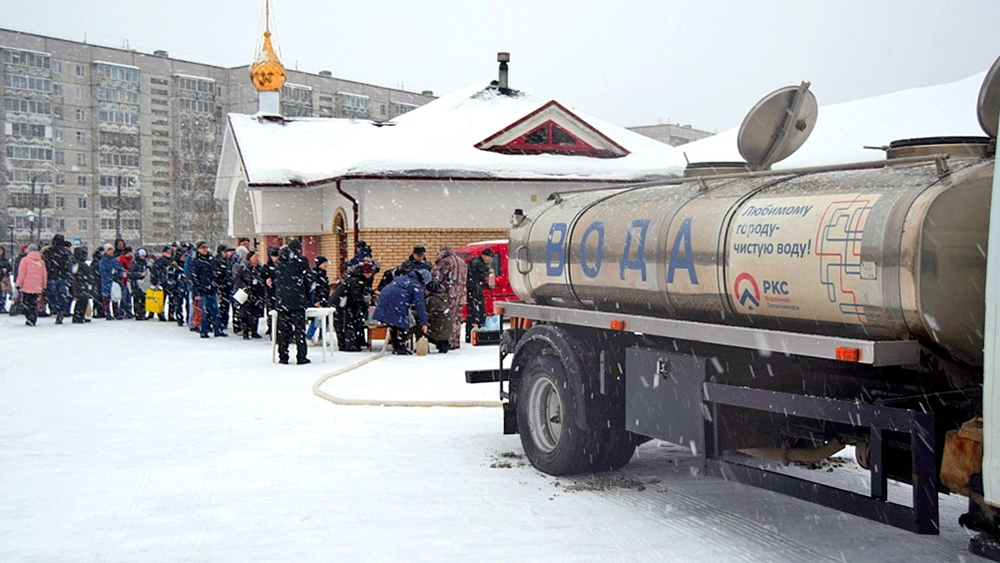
pixel 31 219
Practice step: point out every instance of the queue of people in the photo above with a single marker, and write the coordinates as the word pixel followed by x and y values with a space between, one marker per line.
pixel 206 292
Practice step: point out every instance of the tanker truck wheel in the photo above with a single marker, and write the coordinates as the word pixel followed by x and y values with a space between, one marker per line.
pixel 546 419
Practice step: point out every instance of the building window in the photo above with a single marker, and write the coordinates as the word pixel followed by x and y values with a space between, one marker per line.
pixel 22 152
pixel 108 181
pixel 17 105
pixel 81 180
pixel 58 112
pixel 60 157
pixel 194 84
pixel 25 82
pixel 27 58
pixel 57 134
pixel 83 224
pixel 81 115
pixel 28 175
pixel 116 95
pixel 81 202
pixel 57 67
pixel 120 117
pixel 120 73
pixel 60 179
pixel 81 137
pixel 193 105
pixel 57 90
pixel 80 93
pixel 81 159
pixel 81 70
pixel 26 130
pixel 60 202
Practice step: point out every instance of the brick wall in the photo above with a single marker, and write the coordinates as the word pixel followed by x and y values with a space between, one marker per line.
pixel 392 246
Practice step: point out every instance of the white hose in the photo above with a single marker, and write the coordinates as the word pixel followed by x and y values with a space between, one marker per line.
pixel 387 402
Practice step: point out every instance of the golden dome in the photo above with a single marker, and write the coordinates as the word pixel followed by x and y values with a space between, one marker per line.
pixel 267 72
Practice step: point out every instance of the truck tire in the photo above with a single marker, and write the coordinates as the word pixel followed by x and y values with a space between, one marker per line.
pixel 615 448
pixel 546 420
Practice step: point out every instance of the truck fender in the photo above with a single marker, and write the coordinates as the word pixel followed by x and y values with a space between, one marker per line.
pixel 552 340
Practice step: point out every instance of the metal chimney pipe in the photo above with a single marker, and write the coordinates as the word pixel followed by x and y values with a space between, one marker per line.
pixel 503 58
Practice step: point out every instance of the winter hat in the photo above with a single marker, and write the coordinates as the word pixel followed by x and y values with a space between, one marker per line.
pixel 419 250
pixel 32 247
pixel 80 253
pixel 295 244
pixel 320 260
pixel 107 247
pixel 141 253
pixel 250 253
pixel 487 252
pixel 367 268
pixel 166 249
pixel 272 251
pixel 58 240
pixel 425 276
pixel 201 244
pixel 242 252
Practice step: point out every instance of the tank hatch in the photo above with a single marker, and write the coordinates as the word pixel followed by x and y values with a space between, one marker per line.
pixel 698 169
pixel 955 147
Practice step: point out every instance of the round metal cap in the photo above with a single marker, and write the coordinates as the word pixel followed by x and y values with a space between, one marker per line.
pixel 771 132
pixel 988 105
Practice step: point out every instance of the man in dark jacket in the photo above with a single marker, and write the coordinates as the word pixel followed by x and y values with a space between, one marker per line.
pixel 268 267
pixel 351 298
pixel 176 286
pixel 224 281
pixel 58 261
pixel 80 279
pixel 477 280
pixel 159 278
pixel 248 276
pixel 394 305
pixel 292 282
pixel 203 276
pixel 5 270
pixel 95 283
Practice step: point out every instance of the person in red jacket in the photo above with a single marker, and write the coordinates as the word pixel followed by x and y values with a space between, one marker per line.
pixel 32 279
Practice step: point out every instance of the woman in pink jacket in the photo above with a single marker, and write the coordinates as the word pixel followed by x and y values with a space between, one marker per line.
pixel 32 278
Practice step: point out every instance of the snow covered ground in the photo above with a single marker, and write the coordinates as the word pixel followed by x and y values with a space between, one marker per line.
pixel 135 442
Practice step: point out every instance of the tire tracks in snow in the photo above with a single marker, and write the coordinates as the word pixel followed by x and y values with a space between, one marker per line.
pixel 724 534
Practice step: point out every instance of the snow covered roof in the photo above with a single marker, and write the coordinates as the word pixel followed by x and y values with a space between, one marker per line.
pixel 434 140
pixel 842 130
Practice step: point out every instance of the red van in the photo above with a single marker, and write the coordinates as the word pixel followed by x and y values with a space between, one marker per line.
pixel 501 289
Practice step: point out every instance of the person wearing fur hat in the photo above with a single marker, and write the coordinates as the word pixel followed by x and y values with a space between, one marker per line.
pixel 159 277
pixel 32 279
pixel 249 276
pixel 111 273
pixel 450 273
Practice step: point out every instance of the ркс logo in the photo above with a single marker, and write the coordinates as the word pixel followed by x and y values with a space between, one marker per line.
pixel 749 295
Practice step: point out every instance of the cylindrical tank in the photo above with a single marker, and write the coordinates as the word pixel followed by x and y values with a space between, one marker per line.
pixel 897 251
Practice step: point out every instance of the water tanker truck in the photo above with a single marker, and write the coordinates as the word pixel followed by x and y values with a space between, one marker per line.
pixel 761 317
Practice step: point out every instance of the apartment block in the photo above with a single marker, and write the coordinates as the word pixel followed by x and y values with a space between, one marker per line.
pixel 100 142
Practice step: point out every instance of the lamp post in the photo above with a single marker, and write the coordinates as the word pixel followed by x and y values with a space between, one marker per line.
pixel 31 228
pixel 11 252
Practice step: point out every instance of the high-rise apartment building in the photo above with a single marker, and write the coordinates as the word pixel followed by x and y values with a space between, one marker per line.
pixel 100 142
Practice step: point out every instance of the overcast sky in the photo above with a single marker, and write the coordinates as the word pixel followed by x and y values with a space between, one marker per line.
pixel 631 62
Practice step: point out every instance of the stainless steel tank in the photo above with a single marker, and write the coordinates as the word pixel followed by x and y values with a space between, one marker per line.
pixel 894 251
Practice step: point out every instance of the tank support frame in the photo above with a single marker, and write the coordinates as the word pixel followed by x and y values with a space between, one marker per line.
pixel 921 518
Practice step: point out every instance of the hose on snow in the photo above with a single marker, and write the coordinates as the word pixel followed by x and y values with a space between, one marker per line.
pixel 386 402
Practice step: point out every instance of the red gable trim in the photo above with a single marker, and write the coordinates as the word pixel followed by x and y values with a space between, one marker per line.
pixel 552 103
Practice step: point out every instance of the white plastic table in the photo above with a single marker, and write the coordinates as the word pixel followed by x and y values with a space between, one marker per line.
pixel 326 332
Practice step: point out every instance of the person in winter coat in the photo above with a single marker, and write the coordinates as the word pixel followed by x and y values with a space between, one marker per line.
pixel 248 276
pixel 95 283
pixel 58 261
pixel 268 270
pixel 450 273
pixel 292 281
pixel 238 257
pixel 438 320
pixel 320 291
pixel 111 273
pixel 351 298
pixel 5 271
pixel 224 281
pixel 138 275
pixel 203 283
pixel 126 257
pixel 32 279
pixel 394 305
pixel 177 308
pixel 120 247
pixel 80 285
pixel 476 282
pixel 159 276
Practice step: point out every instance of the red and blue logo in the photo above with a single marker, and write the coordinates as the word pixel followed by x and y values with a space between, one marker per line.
pixel 747 292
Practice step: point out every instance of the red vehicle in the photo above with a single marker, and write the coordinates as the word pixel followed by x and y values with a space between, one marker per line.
pixel 501 288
